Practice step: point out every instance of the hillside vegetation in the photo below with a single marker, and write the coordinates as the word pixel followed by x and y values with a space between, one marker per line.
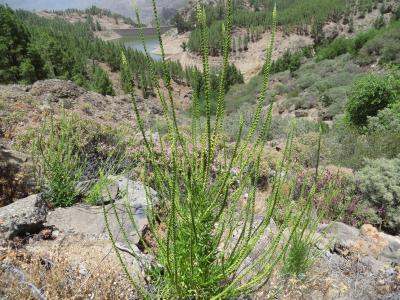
pixel 305 17
pixel 284 186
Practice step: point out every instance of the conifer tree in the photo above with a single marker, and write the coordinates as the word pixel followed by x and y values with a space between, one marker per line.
pixel 101 83
pixel 19 61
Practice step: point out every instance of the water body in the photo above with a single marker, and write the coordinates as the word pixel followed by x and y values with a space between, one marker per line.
pixel 136 43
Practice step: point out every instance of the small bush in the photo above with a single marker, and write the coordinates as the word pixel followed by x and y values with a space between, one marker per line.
pixel 362 38
pixel 391 52
pixel 348 147
pixel 379 22
pixel 369 94
pixel 59 163
pixel 68 149
pixel 306 80
pixel 239 95
pixel 306 143
pixel 387 120
pixel 379 183
pixel 300 255
pixel 96 192
pixel 338 47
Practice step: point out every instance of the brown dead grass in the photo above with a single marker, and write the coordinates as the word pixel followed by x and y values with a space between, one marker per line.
pixel 60 278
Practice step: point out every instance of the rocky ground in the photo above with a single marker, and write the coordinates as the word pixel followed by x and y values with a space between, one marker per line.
pixel 65 253
pixel 22 106
pixel 72 243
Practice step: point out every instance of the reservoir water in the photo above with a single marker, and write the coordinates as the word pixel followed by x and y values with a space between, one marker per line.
pixel 136 43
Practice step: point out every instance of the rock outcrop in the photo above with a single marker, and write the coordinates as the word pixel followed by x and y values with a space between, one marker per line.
pixel 90 220
pixel 372 246
pixel 22 217
pixel 57 88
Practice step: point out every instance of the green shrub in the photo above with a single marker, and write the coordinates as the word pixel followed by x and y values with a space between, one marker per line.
pixel 391 51
pixel 59 163
pixel 280 89
pixel 369 94
pixel 208 232
pixel 379 22
pixel 362 38
pixel 383 46
pixel 98 190
pixel 289 61
pixel 338 47
pixel 396 14
pixel 306 80
pixel 242 94
pixel 300 256
pixel 387 120
pixel 379 183
pixel 101 83
pixel 78 149
pixel 348 147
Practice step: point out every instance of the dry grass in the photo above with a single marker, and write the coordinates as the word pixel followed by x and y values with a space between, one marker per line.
pixel 59 275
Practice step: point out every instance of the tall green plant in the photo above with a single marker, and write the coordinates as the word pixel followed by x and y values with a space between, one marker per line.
pixel 207 191
pixel 59 164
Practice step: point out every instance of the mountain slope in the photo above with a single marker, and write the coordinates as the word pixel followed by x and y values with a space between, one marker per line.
pixel 123 7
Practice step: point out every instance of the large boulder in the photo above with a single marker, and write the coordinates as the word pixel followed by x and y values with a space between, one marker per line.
pixel 374 247
pixel 21 217
pixel 57 88
pixel 90 220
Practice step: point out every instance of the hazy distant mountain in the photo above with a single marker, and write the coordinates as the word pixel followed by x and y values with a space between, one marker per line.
pixel 119 6
pixel 49 4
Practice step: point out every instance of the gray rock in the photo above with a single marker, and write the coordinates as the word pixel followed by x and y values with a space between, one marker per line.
pixel 261 245
pixel 373 264
pixel 57 88
pixel 11 157
pixel 13 92
pixel 95 99
pixel 85 219
pixel 392 251
pixel 343 235
pixel 23 216
pixel 300 113
pixel 108 194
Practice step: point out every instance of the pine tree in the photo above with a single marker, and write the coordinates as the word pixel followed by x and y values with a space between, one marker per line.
pixel 101 83
pixel 19 61
pixel 98 26
pixel 317 33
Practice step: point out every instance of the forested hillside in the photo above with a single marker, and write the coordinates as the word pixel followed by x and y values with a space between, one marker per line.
pixel 95 11
pixel 304 17
pixel 54 48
